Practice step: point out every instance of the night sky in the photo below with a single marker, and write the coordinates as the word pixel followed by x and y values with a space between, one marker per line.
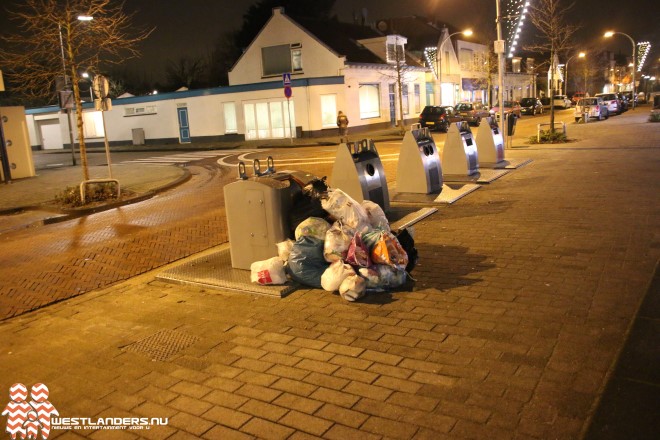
pixel 191 27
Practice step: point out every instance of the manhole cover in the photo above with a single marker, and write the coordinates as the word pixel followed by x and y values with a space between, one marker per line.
pixel 162 345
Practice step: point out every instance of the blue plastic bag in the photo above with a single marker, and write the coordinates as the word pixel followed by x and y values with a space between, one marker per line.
pixel 306 262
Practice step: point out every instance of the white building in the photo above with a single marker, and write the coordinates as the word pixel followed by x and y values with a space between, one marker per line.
pixel 338 67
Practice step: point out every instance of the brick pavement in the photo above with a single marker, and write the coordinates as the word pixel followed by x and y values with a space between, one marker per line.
pixel 524 296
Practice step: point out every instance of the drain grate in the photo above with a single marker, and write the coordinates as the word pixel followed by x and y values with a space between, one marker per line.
pixel 162 345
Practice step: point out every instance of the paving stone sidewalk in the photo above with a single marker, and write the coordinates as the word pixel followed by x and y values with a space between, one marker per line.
pixel 523 299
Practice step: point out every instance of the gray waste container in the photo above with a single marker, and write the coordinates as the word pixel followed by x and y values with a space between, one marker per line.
pixel 459 156
pixel 256 210
pixel 419 170
pixel 358 171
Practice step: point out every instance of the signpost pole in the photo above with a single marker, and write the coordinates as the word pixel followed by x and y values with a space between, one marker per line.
pixel 286 81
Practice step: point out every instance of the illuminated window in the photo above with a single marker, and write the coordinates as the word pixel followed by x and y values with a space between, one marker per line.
pixel 404 98
pixel 369 101
pixel 230 117
pixel 329 110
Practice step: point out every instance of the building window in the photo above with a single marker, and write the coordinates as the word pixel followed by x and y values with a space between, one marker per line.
pixel 280 59
pixel 515 65
pixel 465 56
pixel 230 117
pixel 418 102
pixel 404 99
pixel 139 111
pixel 329 111
pixel 369 101
pixel 395 53
pixel 296 60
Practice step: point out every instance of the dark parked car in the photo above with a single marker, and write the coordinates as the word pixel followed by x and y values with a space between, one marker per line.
pixel 531 106
pixel 625 104
pixel 438 117
pixel 472 112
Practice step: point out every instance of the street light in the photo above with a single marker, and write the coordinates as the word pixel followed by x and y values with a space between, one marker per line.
pixel 580 55
pixel 467 33
pixel 66 84
pixel 608 34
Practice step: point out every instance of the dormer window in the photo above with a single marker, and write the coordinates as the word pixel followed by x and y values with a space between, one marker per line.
pixel 284 58
pixel 395 50
pixel 395 53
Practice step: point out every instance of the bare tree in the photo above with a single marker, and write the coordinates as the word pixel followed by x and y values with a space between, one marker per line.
pixel 52 39
pixel 186 71
pixel 401 73
pixel 549 18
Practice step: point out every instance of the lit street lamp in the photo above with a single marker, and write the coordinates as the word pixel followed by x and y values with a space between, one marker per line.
pixel 467 33
pixel 66 84
pixel 634 59
pixel 580 55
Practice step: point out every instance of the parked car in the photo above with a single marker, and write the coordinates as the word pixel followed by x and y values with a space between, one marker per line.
pixel 509 107
pixel 579 95
pixel 531 106
pixel 593 107
pixel 472 112
pixel 611 101
pixel 625 104
pixel 641 98
pixel 561 101
pixel 438 117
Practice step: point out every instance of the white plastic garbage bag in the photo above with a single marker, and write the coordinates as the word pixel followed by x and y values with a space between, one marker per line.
pixel 284 249
pixel 334 275
pixel 353 287
pixel 269 271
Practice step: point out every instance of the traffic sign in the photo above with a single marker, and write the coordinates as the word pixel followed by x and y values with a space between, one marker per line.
pixel 287 92
pixel 286 79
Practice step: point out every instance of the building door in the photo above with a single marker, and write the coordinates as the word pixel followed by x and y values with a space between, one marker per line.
pixel 51 135
pixel 392 91
pixel 184 125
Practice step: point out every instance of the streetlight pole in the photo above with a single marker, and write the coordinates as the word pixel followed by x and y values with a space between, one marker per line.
pixel 66 109
pixel 467 33
pixel 500 66
pixel 580 55
pixel 634 60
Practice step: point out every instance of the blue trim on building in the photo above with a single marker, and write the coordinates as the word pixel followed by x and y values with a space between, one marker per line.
pixel 271 85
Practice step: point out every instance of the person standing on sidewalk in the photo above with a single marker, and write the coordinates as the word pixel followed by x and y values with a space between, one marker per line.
pixel 342 123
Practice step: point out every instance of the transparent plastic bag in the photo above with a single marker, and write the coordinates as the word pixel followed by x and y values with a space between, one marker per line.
pixel 376 215
pixel 312 227
pixel 337 241
pixel 342 207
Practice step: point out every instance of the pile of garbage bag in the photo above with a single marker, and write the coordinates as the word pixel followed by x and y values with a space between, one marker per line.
pixel 350 249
